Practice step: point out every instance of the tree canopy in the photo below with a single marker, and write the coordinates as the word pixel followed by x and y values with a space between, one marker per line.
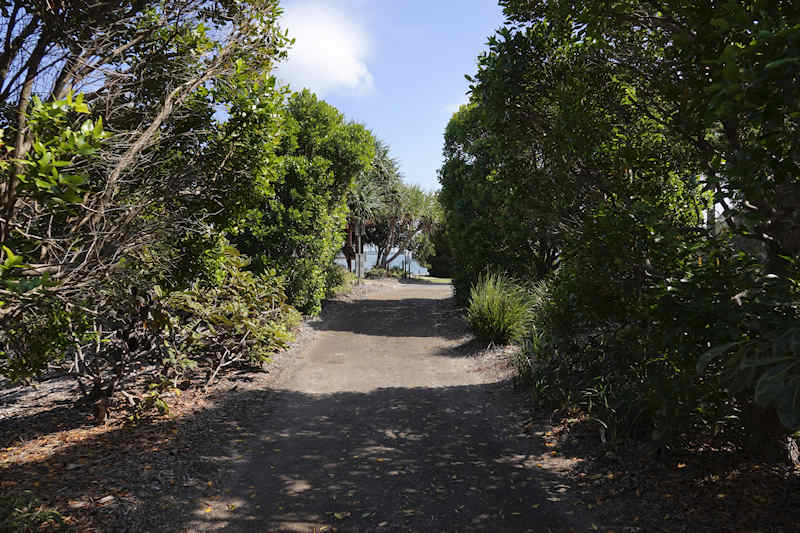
pixel 642 160
pixel 168 209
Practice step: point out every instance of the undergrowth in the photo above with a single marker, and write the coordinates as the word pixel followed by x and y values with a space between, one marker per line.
pixel 22 512
pixel 499 309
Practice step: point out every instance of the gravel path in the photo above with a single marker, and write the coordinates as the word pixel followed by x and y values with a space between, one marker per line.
pixel 385 424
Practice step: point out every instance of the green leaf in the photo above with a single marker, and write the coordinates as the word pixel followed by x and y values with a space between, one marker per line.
pixel 79 106
pixel 43 185
pixel 87 128
pixel 777 63
pixel 72 179
pixel 98 128
pixel 70 197
pixel 12 259
pixel 86 150
pixel 161 406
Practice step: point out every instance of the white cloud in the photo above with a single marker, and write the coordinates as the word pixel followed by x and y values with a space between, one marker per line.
pixel 330 49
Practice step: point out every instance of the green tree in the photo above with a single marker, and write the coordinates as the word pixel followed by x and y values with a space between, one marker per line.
pixel 91 221
pixel 719 79
pixel 298 229
pixel 411 213
pixel 613 135
pixel 374 188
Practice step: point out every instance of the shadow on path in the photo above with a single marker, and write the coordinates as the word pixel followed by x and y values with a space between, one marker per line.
pixel 396 318
pixel 416 459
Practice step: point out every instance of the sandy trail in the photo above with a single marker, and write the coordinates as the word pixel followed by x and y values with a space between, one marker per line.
pixel 384 424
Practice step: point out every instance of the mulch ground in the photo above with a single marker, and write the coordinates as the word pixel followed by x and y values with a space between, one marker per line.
pixel 122 475
pixel 631 488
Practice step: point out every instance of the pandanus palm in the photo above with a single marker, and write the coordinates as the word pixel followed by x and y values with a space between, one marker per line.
pixel 373 190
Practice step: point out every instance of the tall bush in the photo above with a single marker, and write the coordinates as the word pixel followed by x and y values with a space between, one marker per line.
pixel 643 159
pixel 298 228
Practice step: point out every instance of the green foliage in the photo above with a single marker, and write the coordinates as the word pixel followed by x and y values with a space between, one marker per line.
pixel 298 229
pixel 150 401
pixel 380 272
pixel 114 256
pixel 231 317
pixel 50 176
pixel 439 257
pixel 338 280
pixel 404 222
pixel 642 160
pixel 55 147
pixel 22 512
pixel 499 309
pixel 34 341
pixel 492 220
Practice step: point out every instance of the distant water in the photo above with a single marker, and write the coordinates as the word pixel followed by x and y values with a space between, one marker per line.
pixel 372 258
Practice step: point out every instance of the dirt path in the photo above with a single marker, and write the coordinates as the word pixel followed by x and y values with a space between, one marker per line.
pixel 384 416
pixel 383 424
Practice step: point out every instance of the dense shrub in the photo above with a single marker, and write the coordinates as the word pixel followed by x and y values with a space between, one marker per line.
pixel 297 228
pixel 118 204
pixel 338 280
pixel 652 180
pixel 380 272
pixel 232 317
pixel 439 261
pixel 499 310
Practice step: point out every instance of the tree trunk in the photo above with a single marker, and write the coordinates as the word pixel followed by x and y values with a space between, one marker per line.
pixel 403 245
pixel 23 142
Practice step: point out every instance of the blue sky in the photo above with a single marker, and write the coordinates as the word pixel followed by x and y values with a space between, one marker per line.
pixel 396 66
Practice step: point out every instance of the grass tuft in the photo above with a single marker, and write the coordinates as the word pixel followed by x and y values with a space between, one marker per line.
pixel 499 309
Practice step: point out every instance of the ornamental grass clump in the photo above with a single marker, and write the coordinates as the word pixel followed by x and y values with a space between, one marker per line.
pixel 499 309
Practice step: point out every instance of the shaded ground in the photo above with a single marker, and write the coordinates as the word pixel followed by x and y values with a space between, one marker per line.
pixel 383 427
pixel 386 417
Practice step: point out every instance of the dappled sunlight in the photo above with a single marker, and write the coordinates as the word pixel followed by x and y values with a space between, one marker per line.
pixel 394 456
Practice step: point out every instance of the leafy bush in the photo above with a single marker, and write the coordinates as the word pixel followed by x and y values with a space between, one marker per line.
pixel 113 258
pixel 297 228
pixel 338 280
pixel 31 342
pixel 440 262
pixel 680 359
pixel 379 272
pixel 669 236
pixel 233 317
pixel 499 309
